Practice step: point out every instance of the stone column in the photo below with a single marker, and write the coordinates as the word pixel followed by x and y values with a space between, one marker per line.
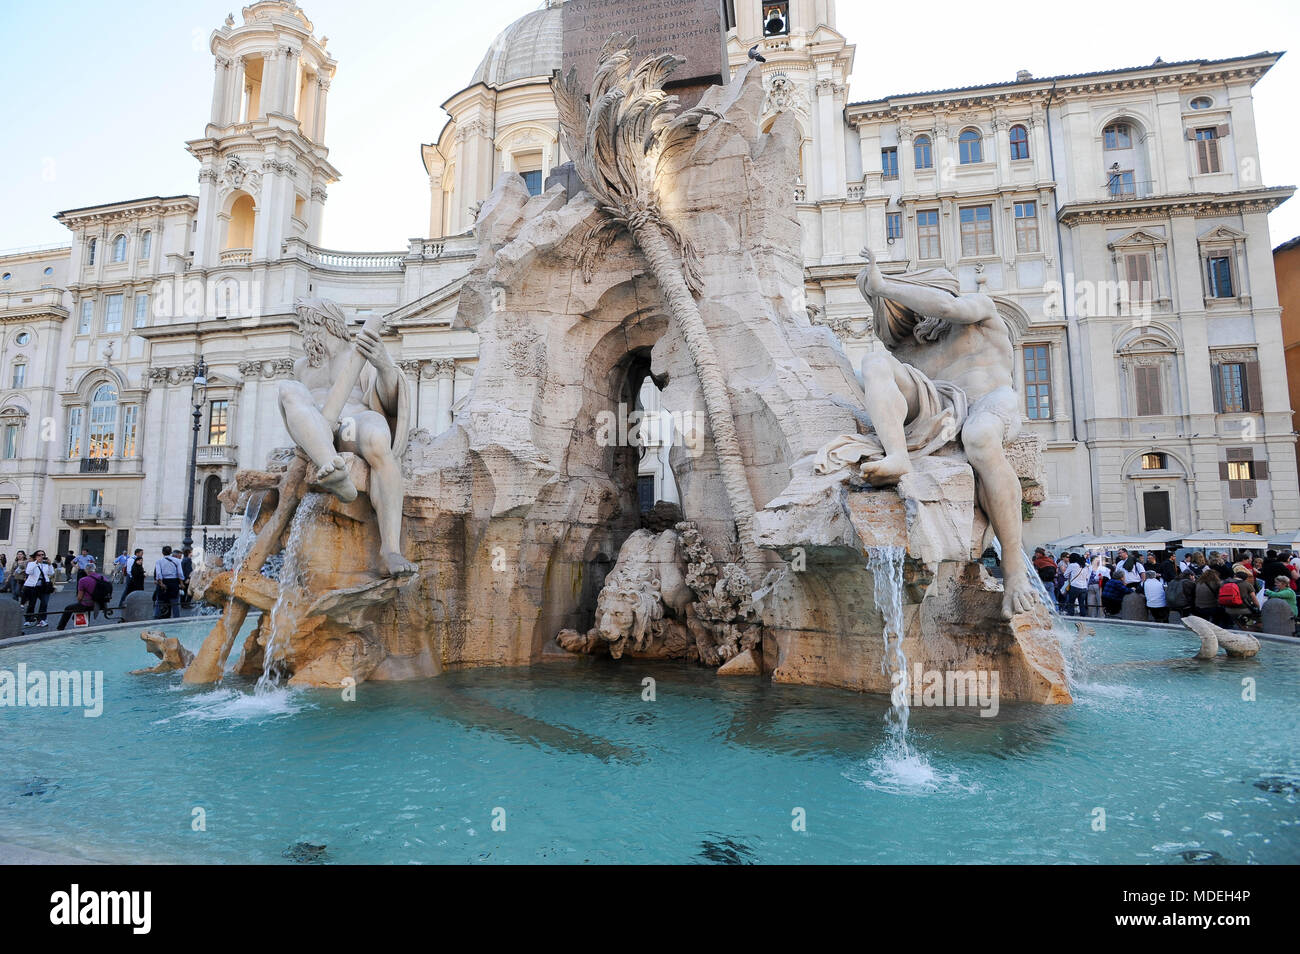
pixel 220 88
pixel 444 373
pixel 411 369
pixel 318 120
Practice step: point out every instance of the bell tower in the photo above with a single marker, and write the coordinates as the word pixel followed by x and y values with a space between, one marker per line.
pixel 264 167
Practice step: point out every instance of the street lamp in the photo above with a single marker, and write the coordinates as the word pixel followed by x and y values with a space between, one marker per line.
pixel 196 396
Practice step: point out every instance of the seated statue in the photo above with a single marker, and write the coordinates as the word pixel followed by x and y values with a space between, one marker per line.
pixel 942 371
pixel 372 424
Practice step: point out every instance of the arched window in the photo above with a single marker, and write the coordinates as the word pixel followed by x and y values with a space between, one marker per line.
pixel 146 243
pixel 90 251
pixel 119 249
pixel 211 505
pixel 1019 137
pixel 243 216
pixel 970 147
pixel 921 151
pixel 1117 136
pixel 101 435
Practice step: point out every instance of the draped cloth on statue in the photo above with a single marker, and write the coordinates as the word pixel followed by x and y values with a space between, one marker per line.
pixel 399 418
pixel 941 406
pixel 941 411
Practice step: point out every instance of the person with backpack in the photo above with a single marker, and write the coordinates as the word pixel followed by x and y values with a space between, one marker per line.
pixel 1237 597
pixel 18 575
pixel 1153 588
pixel 1180 595
pixel 1206 603
pixel 93 593
pixel 37 587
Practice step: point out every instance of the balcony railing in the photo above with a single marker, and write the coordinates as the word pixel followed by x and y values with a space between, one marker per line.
pixel 216 454
pixel 236 256
pixel 94 465
pixel 84 513
pixel 1119 189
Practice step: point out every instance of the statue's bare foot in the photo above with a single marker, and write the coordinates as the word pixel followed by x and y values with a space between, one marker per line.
pixel 1019 595
pixel 887 470
pixel 395 564
pixel 334 477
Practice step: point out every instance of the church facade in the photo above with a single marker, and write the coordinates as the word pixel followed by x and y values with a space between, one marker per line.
pixel 1118 219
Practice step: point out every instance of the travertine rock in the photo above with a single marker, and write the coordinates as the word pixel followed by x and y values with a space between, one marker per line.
pixel 168 649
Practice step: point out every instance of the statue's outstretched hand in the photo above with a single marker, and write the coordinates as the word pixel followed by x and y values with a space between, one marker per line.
pixel 373 350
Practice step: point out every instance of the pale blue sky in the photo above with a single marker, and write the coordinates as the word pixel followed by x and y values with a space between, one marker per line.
pixel 100 98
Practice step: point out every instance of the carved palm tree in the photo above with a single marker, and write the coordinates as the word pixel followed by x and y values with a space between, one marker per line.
pixel 616 143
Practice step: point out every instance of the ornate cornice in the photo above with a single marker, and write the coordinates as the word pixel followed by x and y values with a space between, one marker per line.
pixel 267 368
pixel 1185 204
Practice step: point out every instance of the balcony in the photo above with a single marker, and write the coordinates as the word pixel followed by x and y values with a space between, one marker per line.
pixel 216 455
pixel 1128 189
pixel 236 256
pixel 103 466
pixel 94 465
pixel 84 513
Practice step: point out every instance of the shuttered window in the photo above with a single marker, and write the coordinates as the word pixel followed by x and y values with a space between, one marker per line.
pixel 1242 473
pixel 1236 387
pixel 1207 150
pixel 1137 269
pixel 1218 274
pixel 1147 380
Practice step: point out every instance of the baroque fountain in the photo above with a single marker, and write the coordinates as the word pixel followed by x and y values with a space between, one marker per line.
pixel 830 525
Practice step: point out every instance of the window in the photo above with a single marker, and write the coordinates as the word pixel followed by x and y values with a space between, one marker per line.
pixel 776 19
pixel 1207 150
pixel 7 275
pixel 927 234
pixel 1137 270
pixel 1026 226
pixel 6 522
pixel 977 230
pixel 101 433
pixel 1117 136
pixel 141 310
pixel 87 314
pixel 921 153
pixel 1121 182
pixel 1147 379
pixel 1236 387
pixel 24 337
pixel 533 181
pixel 20 374
pixel 212 500
pixel 146 244
pixel 970 147
pixel 893 225
pixel 130 426
pixel 90 251
pixel 218 419
pixel 1154 461
pixel 1241 472
pixel 112 313
pixel 95 498
pixel 10 443
pixel 1038 383
pixel 1201 102
pixel 889 162
pixel 1218 270
pixel 1019 137
pixel 74 433
pixel 119 249
pixel 645 492
pixel 49 270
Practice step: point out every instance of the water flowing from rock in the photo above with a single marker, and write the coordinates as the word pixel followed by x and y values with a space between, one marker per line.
pixel 238 552
pixel 284 615
pixel 886 564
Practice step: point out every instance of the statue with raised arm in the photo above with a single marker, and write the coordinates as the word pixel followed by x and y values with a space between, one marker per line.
pixel 370 421
pixel 944 371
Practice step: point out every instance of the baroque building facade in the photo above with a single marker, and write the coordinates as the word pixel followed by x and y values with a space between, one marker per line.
pixel 1118 219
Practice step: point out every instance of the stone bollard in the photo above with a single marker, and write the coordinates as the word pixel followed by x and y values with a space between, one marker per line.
pixel 137 608
pixel 11 618
pixel 1134 607
pixel 1276 618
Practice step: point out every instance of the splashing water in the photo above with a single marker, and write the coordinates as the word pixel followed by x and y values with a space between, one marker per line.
pixel 238 553
pixel 284 615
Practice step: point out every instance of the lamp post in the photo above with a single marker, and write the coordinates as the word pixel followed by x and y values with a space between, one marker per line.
pixel 196 395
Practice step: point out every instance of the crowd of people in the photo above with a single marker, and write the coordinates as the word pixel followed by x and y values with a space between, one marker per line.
pixel 32 580
pixel 1228 591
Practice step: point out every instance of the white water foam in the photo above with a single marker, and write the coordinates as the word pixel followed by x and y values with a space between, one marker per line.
pixel 232 705
pixel 283 617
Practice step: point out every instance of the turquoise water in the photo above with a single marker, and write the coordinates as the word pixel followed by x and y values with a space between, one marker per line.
pixel 712 771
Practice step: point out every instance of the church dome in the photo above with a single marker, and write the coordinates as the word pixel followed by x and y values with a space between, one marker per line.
pixel 531 46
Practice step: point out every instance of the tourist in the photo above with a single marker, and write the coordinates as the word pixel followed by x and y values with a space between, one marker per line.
pixel 1098 574
pixel 1153 588
pixel 1075 589
pixel 94 590
pixel 1206 605
pixel 120 564
pixel 1196 562
pixel 135 577
pixel 187 569
pixel 1237 597
pixel 1282 591
pixel 4 569
pixel 1167 569
pixel 83 561
pixel 18 575
pixel 1180 595
pixel 1113 593
pixel 37 587
pixel 167 573
pixel 1134 573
